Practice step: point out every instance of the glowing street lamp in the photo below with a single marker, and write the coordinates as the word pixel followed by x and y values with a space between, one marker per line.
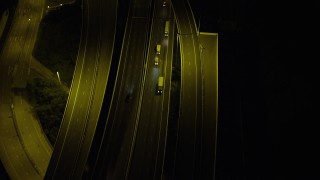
pixel 58 77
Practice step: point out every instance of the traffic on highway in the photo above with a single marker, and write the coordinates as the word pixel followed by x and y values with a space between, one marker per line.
pixel 118 121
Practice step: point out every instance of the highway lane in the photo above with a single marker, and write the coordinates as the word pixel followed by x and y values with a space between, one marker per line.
pixel 28 30
pixel 19 162
pixel 87 91
pixel 56 165
pixel 18 36
pixel 124 117
pixel 162 138
pixel 148 152
pixel 107 38
pixel 54 4
pixel 114 155
pixel 13 155
pixel 190 122
pixel 34 140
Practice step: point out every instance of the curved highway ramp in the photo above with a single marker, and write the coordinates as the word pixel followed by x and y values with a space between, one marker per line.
pixel 87 92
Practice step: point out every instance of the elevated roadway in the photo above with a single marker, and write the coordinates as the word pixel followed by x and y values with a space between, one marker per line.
pixel 133 138
pixel 187 161
pixel 114 154
pixel 86 94
pixel 149 147
pixel 25 152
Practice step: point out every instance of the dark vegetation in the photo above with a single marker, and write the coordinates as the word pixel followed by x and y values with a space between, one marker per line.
pixel 48 100
pixel 7 5
pixel 174 111
pixel 58 40
pixel 11 6
pixel 56 48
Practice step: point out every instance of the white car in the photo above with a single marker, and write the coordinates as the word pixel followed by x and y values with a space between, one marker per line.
pixel 164 3
pixel 156 61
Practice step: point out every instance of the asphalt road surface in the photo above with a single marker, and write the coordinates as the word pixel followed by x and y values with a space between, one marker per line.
pixel 27 22
pixel 148 151
pixel 19 163
pixel 116 146
pixel 87 91
pixel 190 122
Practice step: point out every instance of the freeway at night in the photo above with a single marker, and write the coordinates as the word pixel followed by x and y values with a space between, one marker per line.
pixel 134 129
pixel 87 91
pixel 136 125
pixel 188 152
pixel 115 124
pixel 149 145
pixel 25 152
pixel 114 156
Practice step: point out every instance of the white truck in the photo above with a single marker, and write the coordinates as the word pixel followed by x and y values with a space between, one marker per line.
pixel 156 60
pixel 160 85
pixel 158 48
pixel 166 29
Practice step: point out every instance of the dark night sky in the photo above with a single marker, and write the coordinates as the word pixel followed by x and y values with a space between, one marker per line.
pixel 267 74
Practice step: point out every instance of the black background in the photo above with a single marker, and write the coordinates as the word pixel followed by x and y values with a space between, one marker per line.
pixel 268 53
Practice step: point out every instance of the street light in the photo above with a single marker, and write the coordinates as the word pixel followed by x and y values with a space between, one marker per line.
pixel 58 77
pixel 25 40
